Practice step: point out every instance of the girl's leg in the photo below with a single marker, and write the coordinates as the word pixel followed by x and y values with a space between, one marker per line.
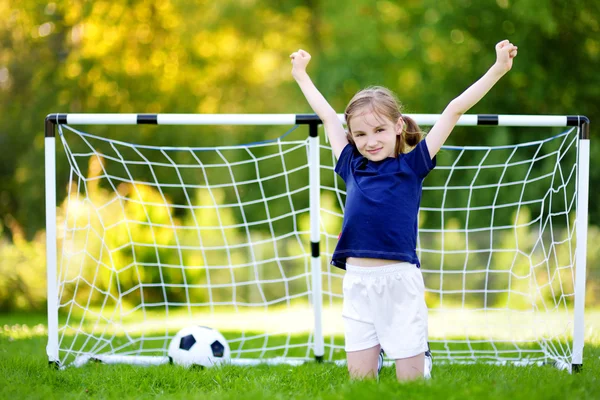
pixel 363 363
pixel 410 368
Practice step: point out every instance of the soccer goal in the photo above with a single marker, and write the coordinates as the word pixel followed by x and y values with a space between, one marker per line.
pixel 149 238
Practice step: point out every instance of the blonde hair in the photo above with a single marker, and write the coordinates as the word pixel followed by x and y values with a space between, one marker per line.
pixel 384 103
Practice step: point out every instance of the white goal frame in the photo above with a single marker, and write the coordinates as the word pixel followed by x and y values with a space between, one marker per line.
pixel 313 122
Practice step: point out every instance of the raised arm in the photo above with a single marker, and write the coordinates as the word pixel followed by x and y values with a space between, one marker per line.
pixel 333 127
pixel 505 52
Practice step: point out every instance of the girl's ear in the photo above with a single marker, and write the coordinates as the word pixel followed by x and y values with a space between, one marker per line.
pixel 399 126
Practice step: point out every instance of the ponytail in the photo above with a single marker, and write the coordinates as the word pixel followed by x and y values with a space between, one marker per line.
pixel 411 135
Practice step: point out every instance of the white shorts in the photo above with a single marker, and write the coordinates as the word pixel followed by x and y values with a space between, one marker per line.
pixel 386 306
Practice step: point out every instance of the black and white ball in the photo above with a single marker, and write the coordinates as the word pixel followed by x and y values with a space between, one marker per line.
pixel 199 346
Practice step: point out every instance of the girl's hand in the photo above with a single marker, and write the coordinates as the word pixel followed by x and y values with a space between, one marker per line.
pixel 300 60
pixel 505 52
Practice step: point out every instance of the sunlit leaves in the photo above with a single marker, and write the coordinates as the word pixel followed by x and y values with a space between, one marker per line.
pixel 232 56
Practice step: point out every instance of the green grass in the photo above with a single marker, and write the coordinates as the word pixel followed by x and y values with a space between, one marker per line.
pixel 25 374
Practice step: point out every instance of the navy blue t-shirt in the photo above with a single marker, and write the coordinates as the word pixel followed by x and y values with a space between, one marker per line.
pixel 382 204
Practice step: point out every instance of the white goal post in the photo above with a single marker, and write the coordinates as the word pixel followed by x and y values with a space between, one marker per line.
pixel 150 239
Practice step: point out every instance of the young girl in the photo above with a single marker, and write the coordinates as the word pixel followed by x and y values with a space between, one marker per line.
pixel 383 162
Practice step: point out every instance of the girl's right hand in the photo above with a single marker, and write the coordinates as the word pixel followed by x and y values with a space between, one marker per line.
pixel 300 60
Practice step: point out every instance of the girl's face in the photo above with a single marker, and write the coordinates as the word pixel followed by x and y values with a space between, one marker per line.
pixel 375 136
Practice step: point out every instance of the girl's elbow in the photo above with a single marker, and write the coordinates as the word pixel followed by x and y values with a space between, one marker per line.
pixel 455 108
pixel 329 117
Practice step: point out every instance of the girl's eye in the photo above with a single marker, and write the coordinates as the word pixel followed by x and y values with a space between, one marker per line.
pixel 379 130
pixel 359 135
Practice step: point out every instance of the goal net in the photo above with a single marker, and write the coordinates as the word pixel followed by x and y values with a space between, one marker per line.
pixel 151 239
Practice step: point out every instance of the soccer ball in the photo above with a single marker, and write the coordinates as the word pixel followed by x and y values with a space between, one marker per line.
pixel 199 346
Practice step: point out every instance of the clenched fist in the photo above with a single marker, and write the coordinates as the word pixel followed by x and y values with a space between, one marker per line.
pixel 505 52
pixel 300 60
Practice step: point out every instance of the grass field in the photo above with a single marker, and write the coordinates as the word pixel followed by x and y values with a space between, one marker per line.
pixel 25 374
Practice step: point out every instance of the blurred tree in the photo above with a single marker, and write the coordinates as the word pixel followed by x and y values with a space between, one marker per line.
pixel 231 56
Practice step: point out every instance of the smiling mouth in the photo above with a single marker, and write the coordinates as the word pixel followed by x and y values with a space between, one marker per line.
pixel 373 151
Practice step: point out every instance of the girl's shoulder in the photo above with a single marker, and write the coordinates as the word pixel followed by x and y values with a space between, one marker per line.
pixel 419 159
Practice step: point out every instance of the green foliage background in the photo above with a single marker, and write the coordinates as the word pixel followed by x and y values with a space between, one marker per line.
pixel 174 56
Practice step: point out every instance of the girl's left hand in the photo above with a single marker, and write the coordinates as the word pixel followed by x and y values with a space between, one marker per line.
pixel 505 52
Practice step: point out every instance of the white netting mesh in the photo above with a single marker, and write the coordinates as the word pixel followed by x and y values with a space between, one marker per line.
pixel 158 238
